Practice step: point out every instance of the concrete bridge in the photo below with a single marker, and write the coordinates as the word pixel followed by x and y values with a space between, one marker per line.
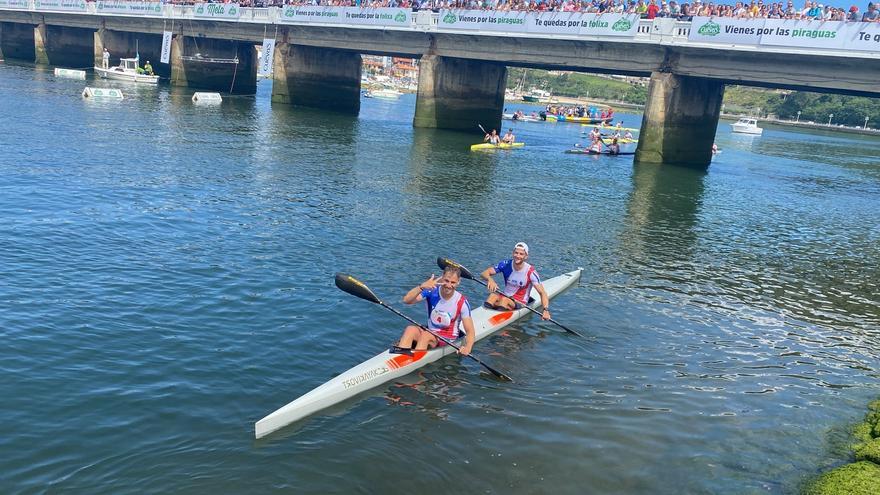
pixel 464 56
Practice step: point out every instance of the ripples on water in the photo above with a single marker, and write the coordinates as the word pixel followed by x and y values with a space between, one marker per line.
pixel 168 281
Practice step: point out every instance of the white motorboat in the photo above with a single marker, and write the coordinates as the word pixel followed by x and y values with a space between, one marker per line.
pixel 127 70
pixel 747 126
pixel 387 366
pixel 385 93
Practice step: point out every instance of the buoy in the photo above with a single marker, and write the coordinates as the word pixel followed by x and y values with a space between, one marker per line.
pixel 199 97
pixel 71 73
pixel 109 93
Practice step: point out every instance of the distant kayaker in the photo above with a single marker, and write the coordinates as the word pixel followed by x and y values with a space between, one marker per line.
pixel 627 135
pixel 492 137
pixel 614 148
pixel 509 138
pixel 596 145
pixel 447 308
pixel 595 134
pixel 519 278
pixel 714 148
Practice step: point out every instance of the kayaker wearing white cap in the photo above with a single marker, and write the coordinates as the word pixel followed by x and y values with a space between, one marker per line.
pixel 519 278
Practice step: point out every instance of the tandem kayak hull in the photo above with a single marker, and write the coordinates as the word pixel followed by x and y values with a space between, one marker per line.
pixel 386 366
pixel 502 146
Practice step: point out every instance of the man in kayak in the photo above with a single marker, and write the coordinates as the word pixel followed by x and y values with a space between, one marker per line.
pixel 493 137
pixel 448 310
pixel 509 138
pixel 519 278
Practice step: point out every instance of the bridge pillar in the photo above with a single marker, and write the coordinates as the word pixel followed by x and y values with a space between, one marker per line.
pixel 459 94
pixel 317 77
pixel 220 65
pixel 41 56
pixel 1 41
pixel 680 119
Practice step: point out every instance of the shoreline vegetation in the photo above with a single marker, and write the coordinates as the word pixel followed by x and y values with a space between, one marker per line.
pixel 782 107
pixel 862 476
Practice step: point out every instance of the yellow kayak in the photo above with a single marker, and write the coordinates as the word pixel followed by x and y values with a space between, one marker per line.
pixel 502 146
pixel 612 128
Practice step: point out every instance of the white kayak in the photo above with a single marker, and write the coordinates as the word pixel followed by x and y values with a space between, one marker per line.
pixel 388 366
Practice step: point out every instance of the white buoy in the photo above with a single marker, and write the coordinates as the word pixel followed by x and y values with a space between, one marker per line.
pixel 109 93
pixel 71 73
pixel 199 97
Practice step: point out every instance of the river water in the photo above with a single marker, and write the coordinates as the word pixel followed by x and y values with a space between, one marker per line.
pixel 167 280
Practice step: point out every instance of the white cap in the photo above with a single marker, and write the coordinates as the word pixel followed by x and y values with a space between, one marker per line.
pixel 524 246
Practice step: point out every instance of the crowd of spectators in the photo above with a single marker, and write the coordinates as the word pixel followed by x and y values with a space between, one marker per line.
pixel 647 9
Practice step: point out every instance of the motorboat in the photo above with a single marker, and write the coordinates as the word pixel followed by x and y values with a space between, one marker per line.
pixel 385 93
pixel 747 126
pixel 127 70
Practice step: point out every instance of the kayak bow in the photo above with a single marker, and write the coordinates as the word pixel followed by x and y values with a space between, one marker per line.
pixel 386 366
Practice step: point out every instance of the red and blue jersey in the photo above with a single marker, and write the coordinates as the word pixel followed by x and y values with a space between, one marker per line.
pixel 517 283
pixel 445 315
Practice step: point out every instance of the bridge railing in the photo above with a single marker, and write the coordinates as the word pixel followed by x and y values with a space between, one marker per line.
pixel 855 39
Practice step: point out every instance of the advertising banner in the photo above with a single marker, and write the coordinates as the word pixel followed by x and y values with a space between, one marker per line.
pixel 268 56
pixel 220 11
pixel 547 23
pixel 14 4
pixel 824 35
pixel 129 7
pixel 61 5
pixel 165 56
pixel 352 16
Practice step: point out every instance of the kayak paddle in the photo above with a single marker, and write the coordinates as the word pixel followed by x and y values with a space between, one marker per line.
pixel 444 262
pixel 358 289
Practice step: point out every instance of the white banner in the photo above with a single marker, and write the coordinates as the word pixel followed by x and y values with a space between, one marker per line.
pixel 217 11
pixel 129 7
pixel 268 56
pixel 165 56
pixel 14 4
pixel 346 15
pixel 548 23
pixel 61 5
pixel 830 35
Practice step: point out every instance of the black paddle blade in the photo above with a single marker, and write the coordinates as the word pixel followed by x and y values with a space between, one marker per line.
pixel 444 262
pixel 355 287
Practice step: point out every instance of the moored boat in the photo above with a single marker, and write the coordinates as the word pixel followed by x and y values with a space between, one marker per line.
pixel 383 94
pixel 499 146
pixel 747 126
pixel 127 70
pixel 387 366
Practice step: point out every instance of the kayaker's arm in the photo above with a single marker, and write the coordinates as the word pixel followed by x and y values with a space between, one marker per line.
pixel 545 301
pixel 415 294
pixel 470 336
pixel 487 276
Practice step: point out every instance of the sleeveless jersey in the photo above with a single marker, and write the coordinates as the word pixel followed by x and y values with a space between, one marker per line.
pixel 517 284
pixel 444 315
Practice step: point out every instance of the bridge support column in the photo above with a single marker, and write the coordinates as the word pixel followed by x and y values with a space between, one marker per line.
pixel 317 77
pixel 680 118
pixel 459 94
pixel 220 65
pixel 1 41
pixel 41 56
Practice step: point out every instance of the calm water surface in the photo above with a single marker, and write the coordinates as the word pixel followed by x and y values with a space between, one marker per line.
pixel 167 280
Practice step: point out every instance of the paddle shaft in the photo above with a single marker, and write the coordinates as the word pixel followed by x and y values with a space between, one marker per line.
pixel 551 320
pixel 447 341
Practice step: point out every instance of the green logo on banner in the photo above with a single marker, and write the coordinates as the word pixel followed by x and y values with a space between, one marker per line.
pixel 709 29
pixel 400 17
pixel 449 18
pixel 158 7
pixel 232 10
pixel 622 25
pixel 200 9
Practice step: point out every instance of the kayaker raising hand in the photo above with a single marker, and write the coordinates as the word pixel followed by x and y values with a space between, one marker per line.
pixel 519 278
pixel 448 311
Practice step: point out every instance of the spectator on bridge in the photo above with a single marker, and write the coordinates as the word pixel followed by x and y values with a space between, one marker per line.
pixel 871 15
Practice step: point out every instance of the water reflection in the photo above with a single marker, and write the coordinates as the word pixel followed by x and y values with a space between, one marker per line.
pixel 662 214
